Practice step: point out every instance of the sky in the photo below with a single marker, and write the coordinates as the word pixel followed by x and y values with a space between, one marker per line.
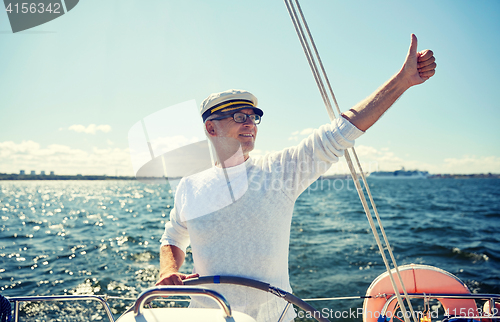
pixel 72 89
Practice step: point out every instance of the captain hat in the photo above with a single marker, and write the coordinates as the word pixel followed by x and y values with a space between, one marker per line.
pixel 231 100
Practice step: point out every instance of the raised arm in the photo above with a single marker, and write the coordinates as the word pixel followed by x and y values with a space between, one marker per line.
pixel 418 67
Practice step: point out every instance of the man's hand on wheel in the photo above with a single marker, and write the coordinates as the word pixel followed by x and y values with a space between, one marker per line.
pixel 174 278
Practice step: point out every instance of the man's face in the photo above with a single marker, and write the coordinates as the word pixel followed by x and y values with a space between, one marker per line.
pixel 244 133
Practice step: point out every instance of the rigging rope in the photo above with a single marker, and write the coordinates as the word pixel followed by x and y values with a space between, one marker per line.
pixel 317 76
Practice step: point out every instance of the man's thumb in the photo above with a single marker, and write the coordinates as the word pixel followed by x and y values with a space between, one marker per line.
pixel 413 46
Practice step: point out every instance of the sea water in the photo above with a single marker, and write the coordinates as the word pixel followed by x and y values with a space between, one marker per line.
pixel 102 237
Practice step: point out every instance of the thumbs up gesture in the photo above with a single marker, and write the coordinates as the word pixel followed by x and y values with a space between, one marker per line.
pixel 419 66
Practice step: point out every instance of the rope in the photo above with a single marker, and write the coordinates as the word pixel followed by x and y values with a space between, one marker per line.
pixel 5 309
pixel 386 241
pixel 312 64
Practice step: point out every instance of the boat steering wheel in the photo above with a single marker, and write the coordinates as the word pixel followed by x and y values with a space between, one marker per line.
pixel 265 287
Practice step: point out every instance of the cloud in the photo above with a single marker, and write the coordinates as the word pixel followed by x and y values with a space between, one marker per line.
pixel 473 164
pixel 62 159
pixel 306 131
pixel 91 129
pixel 384 159
pixel 140 150
pixel 299 135
pixel 30 155
pixel 257 153
pixel 384 156
pixel 161 145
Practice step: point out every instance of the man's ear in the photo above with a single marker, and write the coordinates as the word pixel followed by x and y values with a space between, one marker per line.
pixel 210 127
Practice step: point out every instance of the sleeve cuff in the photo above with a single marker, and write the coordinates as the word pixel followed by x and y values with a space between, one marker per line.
pixel 348 130
pixel 168 242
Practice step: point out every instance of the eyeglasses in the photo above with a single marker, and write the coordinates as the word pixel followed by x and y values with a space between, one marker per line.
pixel 241 117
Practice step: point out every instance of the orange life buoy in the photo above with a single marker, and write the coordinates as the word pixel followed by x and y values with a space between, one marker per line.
pixel 417 279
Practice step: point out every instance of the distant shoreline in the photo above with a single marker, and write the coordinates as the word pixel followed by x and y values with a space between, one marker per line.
pixel 13 176
pixel 431 176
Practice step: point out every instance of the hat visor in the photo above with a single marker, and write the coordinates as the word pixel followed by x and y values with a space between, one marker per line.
pixel 256 110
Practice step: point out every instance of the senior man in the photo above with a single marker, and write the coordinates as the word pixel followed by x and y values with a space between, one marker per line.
pixel 246 232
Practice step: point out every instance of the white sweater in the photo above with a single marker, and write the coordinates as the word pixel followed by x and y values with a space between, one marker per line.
pixel 247 233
